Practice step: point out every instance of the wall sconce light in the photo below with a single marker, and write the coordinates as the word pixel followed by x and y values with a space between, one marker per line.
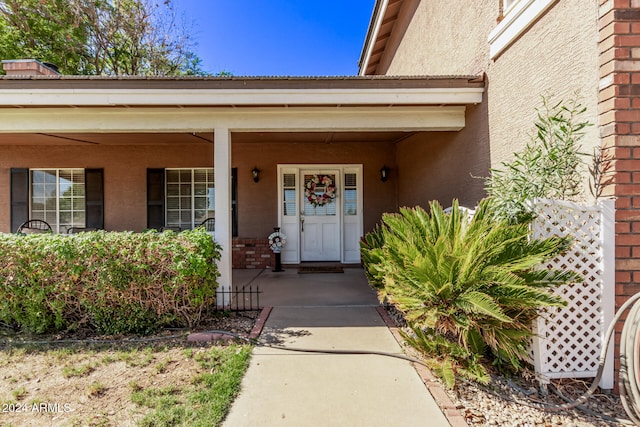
pixel 384 173
pixel 255 173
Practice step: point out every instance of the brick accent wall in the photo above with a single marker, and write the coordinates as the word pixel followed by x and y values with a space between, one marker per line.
pixel 252 253
pixel 619 104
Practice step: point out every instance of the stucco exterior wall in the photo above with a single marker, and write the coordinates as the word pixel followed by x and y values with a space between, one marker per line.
pixel 445 165
pixel 443 38
pixel 557 56
pixel 257 202
pixel 125 168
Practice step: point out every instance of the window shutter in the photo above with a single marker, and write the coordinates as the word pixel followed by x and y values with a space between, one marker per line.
pixel 94 198
pixel 155 198
pixel 19 197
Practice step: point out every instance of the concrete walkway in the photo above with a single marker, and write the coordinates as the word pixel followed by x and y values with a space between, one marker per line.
pixel 327 311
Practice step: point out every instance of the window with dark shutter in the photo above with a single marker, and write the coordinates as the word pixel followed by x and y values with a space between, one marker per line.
pixel 155 198
pixel 185 197
pixel 19 197
pixel 94 198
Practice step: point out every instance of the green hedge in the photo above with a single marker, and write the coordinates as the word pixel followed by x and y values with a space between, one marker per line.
pixel 114 282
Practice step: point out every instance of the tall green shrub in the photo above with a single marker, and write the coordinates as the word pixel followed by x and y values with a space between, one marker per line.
pixel 550 166
pixel 469 287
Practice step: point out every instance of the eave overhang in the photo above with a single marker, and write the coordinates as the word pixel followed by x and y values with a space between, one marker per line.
pixel 385 14
pixel 61 92
pixel 240 104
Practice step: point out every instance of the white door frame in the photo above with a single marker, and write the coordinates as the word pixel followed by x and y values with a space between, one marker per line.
pixel 291 227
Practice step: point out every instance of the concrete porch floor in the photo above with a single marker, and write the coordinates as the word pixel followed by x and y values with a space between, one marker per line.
pixel 290 289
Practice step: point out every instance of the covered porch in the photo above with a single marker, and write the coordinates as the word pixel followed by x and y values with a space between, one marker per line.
pixel 343 128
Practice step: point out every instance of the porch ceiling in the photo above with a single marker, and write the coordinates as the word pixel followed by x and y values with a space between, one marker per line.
pixel 167 138
pixel 106 139
pixel 318 137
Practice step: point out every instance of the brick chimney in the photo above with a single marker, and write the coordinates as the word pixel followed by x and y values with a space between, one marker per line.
pixel 28 67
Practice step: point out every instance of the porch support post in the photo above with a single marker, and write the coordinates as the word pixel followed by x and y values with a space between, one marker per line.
pixel 222 178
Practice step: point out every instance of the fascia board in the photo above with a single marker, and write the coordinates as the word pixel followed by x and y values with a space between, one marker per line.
pixel 372 36
pixel 217 97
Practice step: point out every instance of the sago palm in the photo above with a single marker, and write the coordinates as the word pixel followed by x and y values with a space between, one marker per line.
pixel 466 284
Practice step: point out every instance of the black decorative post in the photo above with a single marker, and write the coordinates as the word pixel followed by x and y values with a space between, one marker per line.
pixel 276 242
pixel 278 263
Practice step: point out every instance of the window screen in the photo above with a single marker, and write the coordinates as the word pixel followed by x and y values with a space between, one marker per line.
pixel 58 197
pixel 350 194
pixel 289 194
pixel 190 197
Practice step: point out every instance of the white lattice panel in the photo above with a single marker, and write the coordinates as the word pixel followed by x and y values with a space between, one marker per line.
pixel 568 341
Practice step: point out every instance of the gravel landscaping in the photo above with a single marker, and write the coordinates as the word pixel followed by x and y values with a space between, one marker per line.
pixel 511 401
pixel 505 402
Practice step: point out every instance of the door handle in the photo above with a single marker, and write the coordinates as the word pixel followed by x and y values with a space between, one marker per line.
pixel 302 223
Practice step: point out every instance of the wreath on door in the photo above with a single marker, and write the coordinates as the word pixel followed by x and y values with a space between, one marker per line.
pixel 323 199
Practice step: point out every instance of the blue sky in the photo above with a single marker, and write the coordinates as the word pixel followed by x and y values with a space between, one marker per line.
pixel 279 37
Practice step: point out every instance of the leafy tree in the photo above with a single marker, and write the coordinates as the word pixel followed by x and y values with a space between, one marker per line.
pixel 105 37
pixel 468 287
pixel 550 166
pixel 47 30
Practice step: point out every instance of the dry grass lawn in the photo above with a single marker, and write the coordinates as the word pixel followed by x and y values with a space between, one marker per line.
pixel 166 382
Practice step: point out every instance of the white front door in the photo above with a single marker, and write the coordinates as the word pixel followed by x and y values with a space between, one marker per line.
pixel 320 215
pixel 328 229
